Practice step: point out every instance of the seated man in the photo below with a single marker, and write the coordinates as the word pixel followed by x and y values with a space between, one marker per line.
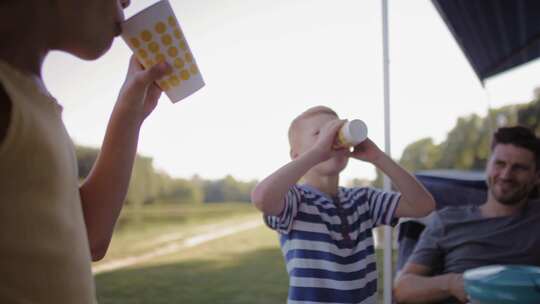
pixel 503 230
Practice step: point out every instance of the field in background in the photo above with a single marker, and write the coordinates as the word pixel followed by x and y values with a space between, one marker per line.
pixel 246 267
pixel 243 268
pixel 143 229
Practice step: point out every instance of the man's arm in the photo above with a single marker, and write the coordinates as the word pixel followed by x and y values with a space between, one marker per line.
pixel 414 285
pixel 5 114
pixel 104 190
pixel 418 282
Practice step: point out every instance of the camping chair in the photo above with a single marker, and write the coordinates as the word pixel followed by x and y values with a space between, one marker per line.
pixel 449 188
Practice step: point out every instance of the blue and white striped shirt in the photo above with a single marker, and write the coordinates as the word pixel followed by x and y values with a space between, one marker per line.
pixel 328 245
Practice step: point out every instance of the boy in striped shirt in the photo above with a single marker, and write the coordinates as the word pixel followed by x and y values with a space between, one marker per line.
pixel 325 230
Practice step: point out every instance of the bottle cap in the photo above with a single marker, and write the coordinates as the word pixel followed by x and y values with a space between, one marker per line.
pixel 355 132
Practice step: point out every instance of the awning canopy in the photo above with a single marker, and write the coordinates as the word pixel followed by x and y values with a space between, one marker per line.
pixel 494 35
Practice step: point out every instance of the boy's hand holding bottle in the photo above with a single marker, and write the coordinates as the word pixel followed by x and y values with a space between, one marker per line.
pixel 366 151
pixel 330 143
pixel 324 147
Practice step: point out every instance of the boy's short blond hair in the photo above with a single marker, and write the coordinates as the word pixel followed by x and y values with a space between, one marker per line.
pixel 294 128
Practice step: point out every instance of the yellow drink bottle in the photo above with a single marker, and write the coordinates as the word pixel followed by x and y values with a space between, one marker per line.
pixel 351 134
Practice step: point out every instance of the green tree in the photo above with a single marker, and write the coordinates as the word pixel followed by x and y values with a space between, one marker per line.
pixel 420 155
pixel 140 185
pixel 183 192
pixel 228 189
pixel 148 185
pixel 529 115
pixel 467 145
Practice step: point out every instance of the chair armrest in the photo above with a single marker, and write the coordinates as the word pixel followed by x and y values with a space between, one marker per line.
pixel 408 234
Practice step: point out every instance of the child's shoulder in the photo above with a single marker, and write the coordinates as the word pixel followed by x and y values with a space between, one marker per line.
pixel 305 191
pixel 309 195
pixel 356 191
pixel 363 193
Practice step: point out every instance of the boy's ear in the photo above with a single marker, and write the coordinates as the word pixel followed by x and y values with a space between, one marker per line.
pixel 293 154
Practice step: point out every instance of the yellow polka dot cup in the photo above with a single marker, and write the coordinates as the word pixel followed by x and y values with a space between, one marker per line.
pixel 155 36
pixel 351 134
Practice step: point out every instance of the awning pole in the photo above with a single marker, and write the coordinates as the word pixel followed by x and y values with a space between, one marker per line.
pixel 388 275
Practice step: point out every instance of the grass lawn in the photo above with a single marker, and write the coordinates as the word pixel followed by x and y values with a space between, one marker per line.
pixel 246 267
pixel 243 268
pixel 141 230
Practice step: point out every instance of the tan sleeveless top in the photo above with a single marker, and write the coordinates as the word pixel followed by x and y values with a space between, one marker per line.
pixel 44 252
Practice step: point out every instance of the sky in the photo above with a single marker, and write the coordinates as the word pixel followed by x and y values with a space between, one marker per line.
pixel 266 61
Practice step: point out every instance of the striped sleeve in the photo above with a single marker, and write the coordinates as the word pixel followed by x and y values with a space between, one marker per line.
pixel 282 223
pixel 382 206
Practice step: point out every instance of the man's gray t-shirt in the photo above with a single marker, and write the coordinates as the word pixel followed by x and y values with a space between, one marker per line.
pixel 460 238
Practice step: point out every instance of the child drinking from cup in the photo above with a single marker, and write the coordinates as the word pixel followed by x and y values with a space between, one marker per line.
pixel 325 230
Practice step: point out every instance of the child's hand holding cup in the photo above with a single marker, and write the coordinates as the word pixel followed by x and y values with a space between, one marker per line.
pixel 351 134
pixel 155 36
